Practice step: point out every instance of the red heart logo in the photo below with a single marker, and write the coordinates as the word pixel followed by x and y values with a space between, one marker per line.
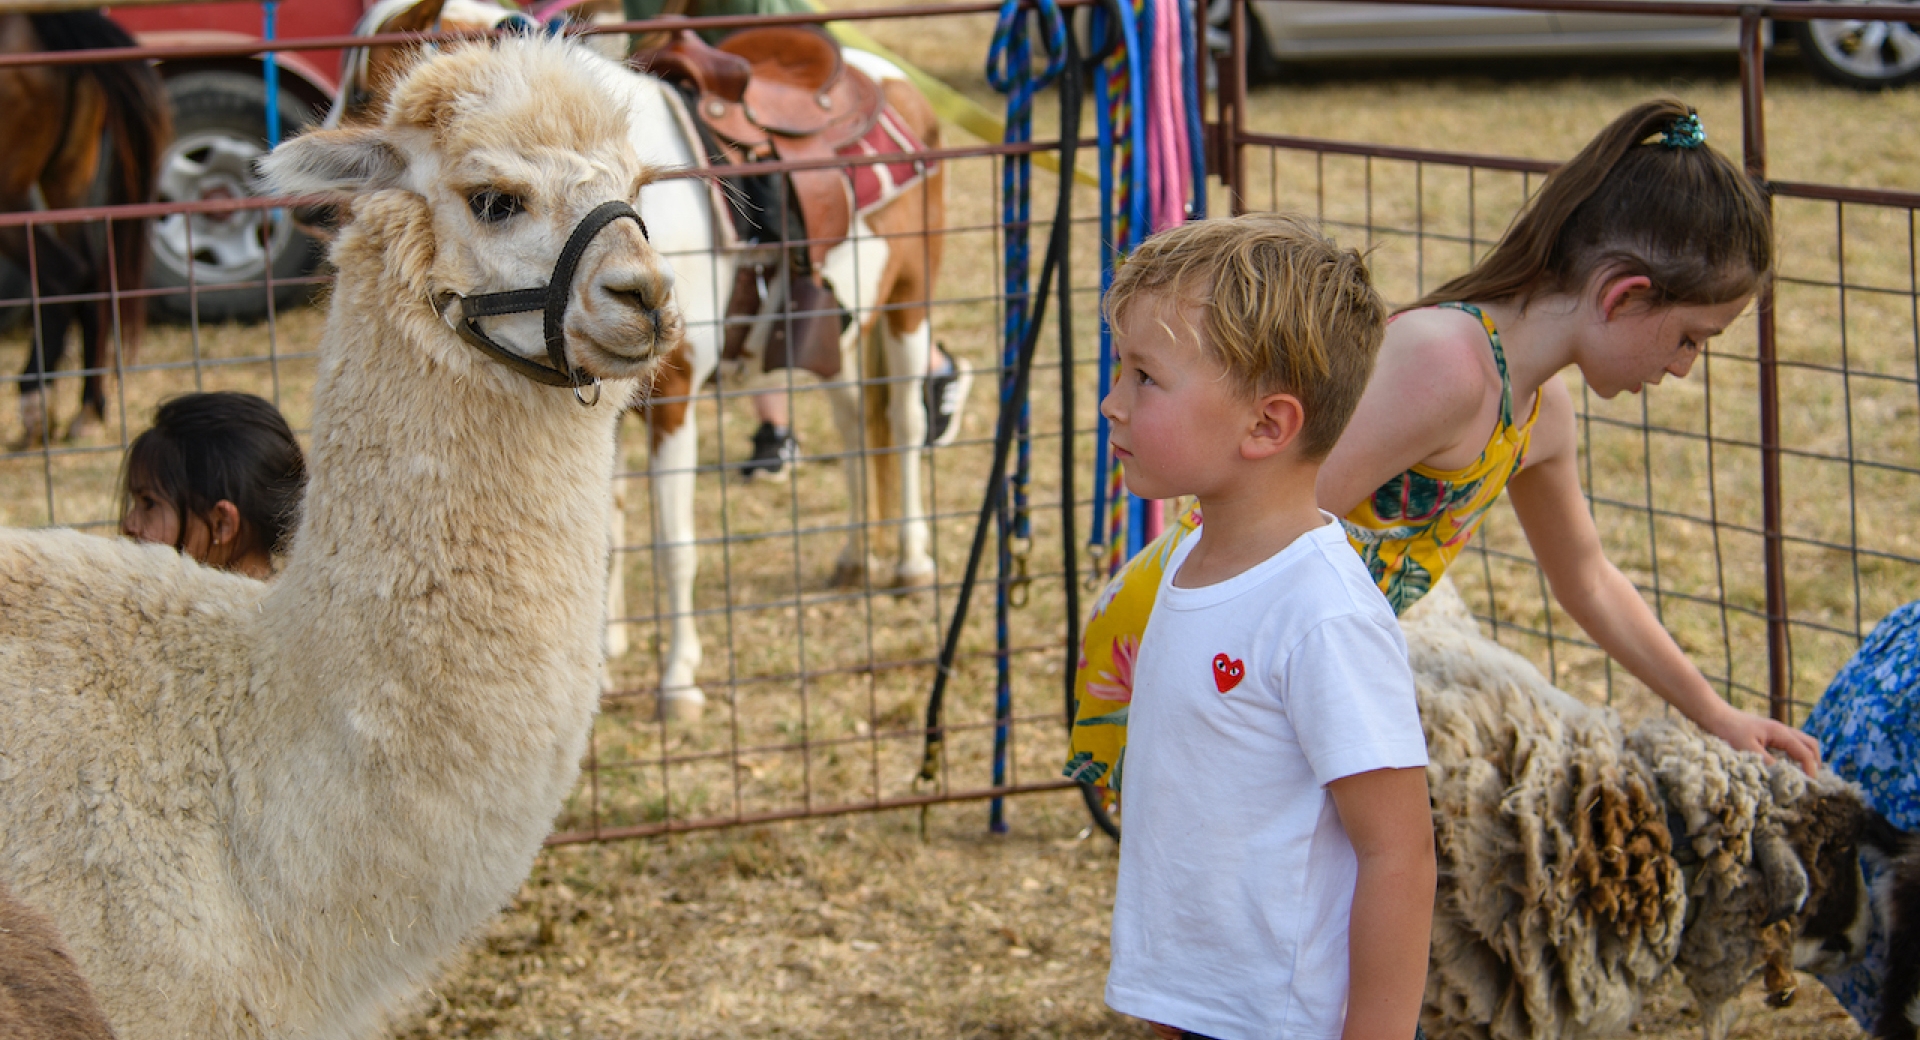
pixel 1227 672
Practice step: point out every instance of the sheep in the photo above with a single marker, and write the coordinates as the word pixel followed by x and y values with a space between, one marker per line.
pixel 43 996
pixel 274 810
pixel 1580 863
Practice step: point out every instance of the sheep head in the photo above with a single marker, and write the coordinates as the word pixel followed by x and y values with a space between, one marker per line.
pixel 486 160
pixel 1827 832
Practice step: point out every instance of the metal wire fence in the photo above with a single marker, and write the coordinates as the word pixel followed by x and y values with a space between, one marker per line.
pixel 1763 505
pixel 1768 537
pixel 815 689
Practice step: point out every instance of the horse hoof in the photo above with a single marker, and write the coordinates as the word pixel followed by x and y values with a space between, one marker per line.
pixel 33 422
pixel 29 440
pixel 682 705
pixel 912 581
pixel 848 575
pixel 85 426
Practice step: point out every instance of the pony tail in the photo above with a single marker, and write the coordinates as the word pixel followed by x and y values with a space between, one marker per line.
pixel 139 125
pixel 1523 261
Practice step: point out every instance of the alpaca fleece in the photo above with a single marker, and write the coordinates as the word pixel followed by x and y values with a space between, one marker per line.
pixel 261 810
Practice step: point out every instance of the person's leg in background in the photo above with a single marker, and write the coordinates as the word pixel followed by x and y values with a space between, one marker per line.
pixel 773 443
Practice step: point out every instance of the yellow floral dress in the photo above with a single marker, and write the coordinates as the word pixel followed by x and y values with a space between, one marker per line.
pixel 1408 532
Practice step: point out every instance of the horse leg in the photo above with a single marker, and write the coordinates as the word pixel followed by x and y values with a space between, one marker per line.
pixel 857 269
pixel 68 182
pixel 59 272
pixel 908 355
pixel 671 462
pixel 847 394
pixel 92 417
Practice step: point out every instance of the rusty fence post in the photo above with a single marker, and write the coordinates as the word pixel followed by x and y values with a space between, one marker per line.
pixel 1753 132
pixel 1232 86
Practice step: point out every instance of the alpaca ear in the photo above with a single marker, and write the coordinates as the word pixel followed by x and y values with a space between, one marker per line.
pixel 333 161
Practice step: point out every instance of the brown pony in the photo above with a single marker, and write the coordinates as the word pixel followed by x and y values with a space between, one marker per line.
pixel 59 123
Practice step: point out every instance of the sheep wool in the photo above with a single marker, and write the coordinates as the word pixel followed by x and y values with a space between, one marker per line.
pixel 1578 863
pixel 1559 902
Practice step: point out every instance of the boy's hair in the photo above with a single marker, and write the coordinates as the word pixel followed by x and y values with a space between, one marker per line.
pixel 207 447
pixel 1646 197
pixel 1286 310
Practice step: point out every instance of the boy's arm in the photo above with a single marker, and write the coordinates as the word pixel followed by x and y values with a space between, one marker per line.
pixel 1552 509
pixel 1387 817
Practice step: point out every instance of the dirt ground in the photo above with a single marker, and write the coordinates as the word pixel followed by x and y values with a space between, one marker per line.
pixel 853 927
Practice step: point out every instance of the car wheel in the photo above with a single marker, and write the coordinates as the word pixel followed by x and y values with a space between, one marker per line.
pixel 1863 54
pixel 219 121
pixel 1262 66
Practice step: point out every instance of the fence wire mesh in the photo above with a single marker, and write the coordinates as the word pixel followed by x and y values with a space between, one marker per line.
pixel 816 691
pixel 1673 475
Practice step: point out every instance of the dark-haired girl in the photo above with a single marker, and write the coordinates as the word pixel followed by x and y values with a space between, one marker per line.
pixel 218 477
pixel 1633 255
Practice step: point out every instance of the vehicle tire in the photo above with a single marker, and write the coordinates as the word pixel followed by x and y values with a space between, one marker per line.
pixel 219 127
pixel 1262 66
pixel 1865 55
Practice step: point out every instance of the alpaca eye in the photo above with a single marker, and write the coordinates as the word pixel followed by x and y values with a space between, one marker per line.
pixel 492 207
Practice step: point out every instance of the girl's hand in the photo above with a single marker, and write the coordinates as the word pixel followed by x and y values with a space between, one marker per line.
pixel 1167 1032
pixel 1753 733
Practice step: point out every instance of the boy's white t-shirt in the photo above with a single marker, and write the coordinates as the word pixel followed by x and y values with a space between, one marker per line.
pixel 1236 878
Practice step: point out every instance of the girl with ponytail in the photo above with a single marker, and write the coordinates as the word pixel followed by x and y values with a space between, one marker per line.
pixel 1633 255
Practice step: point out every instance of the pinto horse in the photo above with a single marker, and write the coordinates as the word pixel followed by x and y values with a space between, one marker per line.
pixel 60 123
pixel 882 275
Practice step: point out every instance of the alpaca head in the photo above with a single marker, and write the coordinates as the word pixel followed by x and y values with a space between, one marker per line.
pixel 490 156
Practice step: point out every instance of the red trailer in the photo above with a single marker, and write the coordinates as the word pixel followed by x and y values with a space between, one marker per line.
pixel 220 127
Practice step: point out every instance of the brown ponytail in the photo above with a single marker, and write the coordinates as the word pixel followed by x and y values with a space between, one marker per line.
pixel 1687 218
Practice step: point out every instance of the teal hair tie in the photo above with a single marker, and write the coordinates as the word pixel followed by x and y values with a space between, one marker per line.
pixel 1684 132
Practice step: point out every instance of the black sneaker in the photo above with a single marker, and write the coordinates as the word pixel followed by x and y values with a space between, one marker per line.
pixel 946 397
pixel 773 448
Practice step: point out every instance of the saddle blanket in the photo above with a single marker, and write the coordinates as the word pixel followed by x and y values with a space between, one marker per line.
pixel 876 184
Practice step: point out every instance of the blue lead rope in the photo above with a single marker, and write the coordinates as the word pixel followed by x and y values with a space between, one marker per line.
pixel 1010 71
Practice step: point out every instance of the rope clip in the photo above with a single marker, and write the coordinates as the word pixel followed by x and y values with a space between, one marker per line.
pixel 1021 584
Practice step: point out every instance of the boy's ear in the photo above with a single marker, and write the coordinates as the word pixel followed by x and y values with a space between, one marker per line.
pixel 1276 426
pixel 1618 292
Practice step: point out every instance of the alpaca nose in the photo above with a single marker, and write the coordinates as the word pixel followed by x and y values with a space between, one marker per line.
pixel 643 290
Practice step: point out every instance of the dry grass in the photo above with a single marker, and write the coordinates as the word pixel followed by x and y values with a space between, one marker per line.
pixel 858 926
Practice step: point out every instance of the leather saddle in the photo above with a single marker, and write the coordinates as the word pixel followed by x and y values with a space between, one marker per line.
pixel 772 94
pixel 779 93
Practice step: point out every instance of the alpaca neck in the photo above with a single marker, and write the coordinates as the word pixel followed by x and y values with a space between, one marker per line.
pixel 455 522
pixel 430 657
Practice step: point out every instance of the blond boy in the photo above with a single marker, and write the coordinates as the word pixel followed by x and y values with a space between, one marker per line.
pixel 1277 871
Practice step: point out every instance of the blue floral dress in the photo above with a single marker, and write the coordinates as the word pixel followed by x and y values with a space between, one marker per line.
pixel 1868 725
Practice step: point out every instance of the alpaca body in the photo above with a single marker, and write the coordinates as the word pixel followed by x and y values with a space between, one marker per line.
pixel 274 810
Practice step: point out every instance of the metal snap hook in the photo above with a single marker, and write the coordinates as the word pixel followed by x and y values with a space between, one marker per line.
pixel 442 307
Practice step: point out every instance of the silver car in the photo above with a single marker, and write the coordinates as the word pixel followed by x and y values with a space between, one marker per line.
pixel 1864 54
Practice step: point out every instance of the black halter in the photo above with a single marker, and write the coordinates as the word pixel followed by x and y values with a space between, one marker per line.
pixel 551 299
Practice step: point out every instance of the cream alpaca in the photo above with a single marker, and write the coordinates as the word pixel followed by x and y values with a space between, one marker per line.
pixel 273 810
